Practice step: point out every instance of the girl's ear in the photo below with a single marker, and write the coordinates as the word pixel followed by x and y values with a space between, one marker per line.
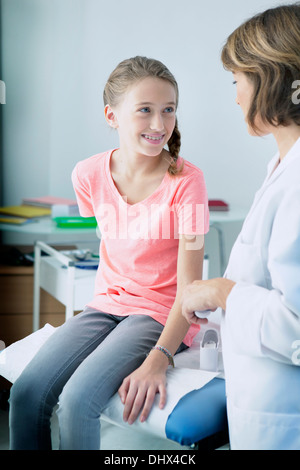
pixel 110 117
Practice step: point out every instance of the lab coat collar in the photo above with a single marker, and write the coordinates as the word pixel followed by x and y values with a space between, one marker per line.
pixel 274 171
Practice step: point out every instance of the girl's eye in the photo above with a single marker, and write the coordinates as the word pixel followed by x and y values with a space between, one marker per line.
pixel 145 110
pixel 169 109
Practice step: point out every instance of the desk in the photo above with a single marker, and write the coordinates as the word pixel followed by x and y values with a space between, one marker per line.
pixel 46 227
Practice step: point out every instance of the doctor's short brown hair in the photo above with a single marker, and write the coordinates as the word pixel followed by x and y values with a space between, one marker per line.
pixel 267 49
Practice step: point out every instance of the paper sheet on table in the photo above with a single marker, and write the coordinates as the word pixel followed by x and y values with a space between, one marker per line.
pixel 184 381
pixel 180 381
pixel 15 357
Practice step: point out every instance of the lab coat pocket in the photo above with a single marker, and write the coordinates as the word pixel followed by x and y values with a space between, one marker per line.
pixel 255 430
pixel 246 264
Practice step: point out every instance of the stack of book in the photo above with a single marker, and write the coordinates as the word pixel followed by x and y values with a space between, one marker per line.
pixel 49 201
pixel 33 209
pixel 218 205
pixel 60 207
pixel 22 214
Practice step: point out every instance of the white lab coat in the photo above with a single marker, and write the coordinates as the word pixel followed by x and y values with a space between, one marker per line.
pixel 261 325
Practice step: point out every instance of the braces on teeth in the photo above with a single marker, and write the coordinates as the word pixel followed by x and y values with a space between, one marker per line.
pixel 153 138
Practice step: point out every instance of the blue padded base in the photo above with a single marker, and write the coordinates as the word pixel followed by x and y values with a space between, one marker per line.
pixel 199 414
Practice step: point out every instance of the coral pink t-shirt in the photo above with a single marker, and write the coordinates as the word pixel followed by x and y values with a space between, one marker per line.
pixel 137 272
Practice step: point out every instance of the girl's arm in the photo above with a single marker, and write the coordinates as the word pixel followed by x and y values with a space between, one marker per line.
pixel 138 390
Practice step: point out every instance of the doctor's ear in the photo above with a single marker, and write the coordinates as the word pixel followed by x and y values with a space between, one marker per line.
pixel 110 117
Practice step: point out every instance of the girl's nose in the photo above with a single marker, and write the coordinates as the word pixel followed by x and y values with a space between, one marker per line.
pixel 157 122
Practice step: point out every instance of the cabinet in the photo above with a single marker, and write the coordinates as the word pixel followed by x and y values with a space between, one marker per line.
pixel 16 304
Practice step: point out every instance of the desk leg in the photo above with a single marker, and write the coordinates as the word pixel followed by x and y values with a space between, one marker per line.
pixel 219 230
pixel 36 288
pixel 70 292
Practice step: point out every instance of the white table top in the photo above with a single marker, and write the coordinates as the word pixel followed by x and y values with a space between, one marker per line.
pixel 45 226
pixel 233 215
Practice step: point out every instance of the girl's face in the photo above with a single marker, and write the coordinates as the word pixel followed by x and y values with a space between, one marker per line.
pixel 244 93
pixel 145 117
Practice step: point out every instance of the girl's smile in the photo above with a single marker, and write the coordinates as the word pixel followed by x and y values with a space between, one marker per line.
pixel 154 139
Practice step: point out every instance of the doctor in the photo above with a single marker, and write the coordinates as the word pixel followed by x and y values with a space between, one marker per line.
pixel 260 292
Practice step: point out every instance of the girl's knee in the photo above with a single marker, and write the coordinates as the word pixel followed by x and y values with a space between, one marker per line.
pixel 71 402
pixel 76 405
pixel 21 393
pixel 29 394
pixel 24 400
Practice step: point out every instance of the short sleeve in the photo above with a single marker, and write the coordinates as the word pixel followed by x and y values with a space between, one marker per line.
pixel 82 191
pixel 192 205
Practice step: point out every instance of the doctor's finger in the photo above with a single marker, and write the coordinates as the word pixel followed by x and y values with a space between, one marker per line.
pixel 188 314
pixel 191 318
pixel 188 311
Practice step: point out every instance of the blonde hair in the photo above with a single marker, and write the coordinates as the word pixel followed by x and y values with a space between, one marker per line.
pixel 132 70
pixel 267 49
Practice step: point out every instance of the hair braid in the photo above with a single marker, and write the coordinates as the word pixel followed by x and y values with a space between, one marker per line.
pixel 174 144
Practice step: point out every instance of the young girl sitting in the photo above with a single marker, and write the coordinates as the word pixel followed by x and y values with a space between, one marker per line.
pixel 152 212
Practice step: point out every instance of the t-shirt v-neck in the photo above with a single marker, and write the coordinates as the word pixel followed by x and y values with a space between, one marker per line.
pixel 117 193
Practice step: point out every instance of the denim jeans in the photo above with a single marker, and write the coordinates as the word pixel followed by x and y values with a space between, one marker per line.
pixel 81 366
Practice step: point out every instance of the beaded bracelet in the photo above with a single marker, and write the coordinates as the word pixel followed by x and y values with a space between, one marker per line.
pixel 166 352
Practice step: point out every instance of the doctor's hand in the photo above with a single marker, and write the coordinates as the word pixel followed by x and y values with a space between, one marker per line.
pixel 139 389
pixel 205 295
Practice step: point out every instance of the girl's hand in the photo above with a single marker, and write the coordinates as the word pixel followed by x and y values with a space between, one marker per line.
pixel 205 295
pixel 138 389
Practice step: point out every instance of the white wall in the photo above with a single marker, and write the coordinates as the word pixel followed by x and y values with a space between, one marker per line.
pixel 57 55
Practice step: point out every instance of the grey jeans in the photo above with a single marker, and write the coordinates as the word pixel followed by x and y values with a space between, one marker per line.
pixel 81 366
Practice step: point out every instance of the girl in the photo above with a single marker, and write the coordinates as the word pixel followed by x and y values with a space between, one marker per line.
pixel 260 293
pixel 151 207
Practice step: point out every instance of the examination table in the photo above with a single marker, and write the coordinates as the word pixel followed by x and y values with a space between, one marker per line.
pixel 195 412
